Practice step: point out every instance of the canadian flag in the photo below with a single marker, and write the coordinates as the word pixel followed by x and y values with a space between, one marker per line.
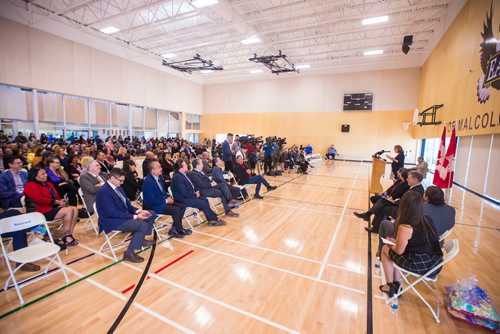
pixel 443 175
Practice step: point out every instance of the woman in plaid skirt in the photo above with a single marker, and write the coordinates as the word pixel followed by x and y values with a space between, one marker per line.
pixel 416 243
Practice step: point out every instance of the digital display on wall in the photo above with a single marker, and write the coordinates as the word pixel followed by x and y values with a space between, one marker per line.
pixel 358 101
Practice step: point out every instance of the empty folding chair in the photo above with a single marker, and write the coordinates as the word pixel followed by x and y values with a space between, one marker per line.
pixel 39 251
pixel 451 250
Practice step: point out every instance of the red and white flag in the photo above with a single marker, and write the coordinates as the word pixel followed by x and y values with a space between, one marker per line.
pixel 440 159
pixel 446 171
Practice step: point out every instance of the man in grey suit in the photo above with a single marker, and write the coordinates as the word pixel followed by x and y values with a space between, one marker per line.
pixel 207 166
pixel 91 182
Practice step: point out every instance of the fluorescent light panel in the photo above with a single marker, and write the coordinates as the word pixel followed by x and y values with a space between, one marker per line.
pixel 109 30
pixel 169 55
pixel 301 66
pixel 255 71
pixel 203 3
pixel 373 52
pixel 251 40
pixel 375 20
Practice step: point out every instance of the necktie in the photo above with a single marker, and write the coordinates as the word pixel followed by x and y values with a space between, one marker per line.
pixel 100 179
pixel 124 201
pixel 159 185
pixel 189 181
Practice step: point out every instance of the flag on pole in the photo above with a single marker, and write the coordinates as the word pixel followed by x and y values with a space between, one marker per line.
pixel 446 170
pixel 440 160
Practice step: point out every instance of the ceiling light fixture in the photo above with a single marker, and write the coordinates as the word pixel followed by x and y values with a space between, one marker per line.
pixel 375 20
pixel 302 66
pixel 206 71
pixel 169 55
pixel 203 3
pixel 109 30
pixel 255 71
pixel 251 40
pixel 373 52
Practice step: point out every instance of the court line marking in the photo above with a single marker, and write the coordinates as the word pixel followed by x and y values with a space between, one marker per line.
pixel 199 294
pixel 331 187
pixel 299 208
pixel 307 202
pixel 273 267
pixel 278 252
pixel 135 304
pixel 339 224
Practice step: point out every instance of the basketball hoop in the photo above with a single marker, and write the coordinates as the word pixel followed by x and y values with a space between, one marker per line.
pixel 415 117
pixel 406 125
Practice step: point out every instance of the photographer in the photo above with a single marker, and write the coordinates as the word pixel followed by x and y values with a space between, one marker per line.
pixel 269 149
pixel 302 162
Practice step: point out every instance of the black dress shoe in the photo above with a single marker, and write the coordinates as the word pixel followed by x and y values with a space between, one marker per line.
pixel 184 231
pixel 371 229
pixel 132 257
pixel 257 196
pixel 174 233
pixel 363 216
pixel 271 188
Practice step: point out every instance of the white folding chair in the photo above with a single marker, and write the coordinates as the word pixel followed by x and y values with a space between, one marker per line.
pixel 190 212
pixel 162 226
pixel 445 235
pixel 111 247
pixel 39 251
pixel 245 186
pixel 451 249
pixel 90 221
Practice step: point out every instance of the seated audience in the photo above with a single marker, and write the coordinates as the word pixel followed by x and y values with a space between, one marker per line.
pixel 184 191
pixel 133 183
pixel 44 196
pixel 156 197
pixel 12 183
pixel 116 213
pixel 396 190
pixel 416 246
pixel 207 165
pixel 210 188
pixel 101 159
pixel 91 182
pixel 145 164
pixel 60 179
pixel 243 176
pixel 218 177
pixel 74 168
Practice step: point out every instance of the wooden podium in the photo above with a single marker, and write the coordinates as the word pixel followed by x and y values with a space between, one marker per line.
pixel 378 170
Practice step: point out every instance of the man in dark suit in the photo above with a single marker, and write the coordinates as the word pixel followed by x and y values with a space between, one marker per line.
pixel 227 153
pixel 116 213
pixel 210 188
pixel 243 177
pixel 101 159
pixel 12 183
pixel 207 165
pixel 155 197
pixel 91 182
pixel 184 191
pixel 218 177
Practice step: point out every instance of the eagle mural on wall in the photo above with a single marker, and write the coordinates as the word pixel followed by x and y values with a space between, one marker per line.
pixel 490 61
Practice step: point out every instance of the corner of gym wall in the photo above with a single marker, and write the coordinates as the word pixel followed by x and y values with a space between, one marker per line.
pixel 450 76
pixel 308 110
pixel 36 59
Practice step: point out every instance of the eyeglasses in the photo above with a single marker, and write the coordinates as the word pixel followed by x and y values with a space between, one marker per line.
pixel 121 180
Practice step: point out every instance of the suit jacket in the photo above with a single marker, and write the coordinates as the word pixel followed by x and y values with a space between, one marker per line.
pixel 240 173
pixel 112 211
pixel 182 188
pixel 227 154
pixel 218 175
pixel 105 167
pixel 443 217
pixel 154 195
pixel 419 189
pixel 199 180
pixel 8 188
pixel 207 168
pixel 88 183
pixel 41 196
pixel 399 190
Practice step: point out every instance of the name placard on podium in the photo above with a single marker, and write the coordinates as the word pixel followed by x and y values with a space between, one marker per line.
pixel 378 170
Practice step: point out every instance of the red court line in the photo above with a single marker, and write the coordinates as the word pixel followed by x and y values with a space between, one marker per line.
pixel 161 269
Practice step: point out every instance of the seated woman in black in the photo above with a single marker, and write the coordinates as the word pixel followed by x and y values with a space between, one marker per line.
pixel 416 246
pixel 133 184
pixel 167 167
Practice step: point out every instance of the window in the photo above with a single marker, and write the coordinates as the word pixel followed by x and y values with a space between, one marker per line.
pixel 192 122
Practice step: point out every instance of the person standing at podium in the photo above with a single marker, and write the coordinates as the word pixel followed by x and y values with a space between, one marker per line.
pixel 397 162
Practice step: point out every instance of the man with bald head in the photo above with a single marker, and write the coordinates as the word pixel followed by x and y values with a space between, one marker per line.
pixel 91 182
pixel 145 165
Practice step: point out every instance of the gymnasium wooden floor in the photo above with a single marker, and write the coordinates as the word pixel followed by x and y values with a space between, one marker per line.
pixel 294 262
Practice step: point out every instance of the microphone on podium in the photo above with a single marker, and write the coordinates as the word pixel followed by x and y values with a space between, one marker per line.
pixel 379 153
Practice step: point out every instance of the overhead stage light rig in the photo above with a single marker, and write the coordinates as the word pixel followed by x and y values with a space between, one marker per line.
pixel 194 64
pixel 277 64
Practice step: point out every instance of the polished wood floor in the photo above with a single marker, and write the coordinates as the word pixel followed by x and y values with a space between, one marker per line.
pixel 293 262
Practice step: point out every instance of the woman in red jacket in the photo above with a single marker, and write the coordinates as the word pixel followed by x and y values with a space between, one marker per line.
pixel 47 201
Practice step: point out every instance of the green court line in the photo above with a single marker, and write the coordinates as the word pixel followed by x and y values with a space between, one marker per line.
pixel 98 271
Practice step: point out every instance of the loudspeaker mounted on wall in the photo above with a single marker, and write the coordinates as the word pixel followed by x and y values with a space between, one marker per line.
pixel 345 127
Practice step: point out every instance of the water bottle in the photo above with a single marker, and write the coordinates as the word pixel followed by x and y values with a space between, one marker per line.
pixel 394 307
pixel 377 268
